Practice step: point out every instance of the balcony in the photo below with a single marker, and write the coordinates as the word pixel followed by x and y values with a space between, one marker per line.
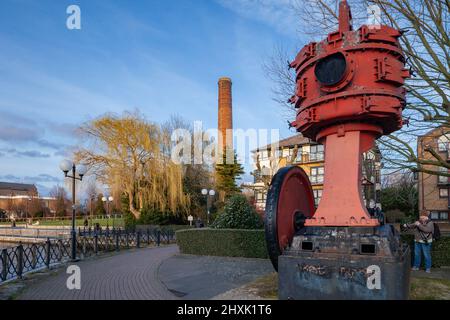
pixel 309 157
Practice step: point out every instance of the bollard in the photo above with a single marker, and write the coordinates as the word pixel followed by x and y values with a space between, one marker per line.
pixel 48 253
pixel 4 264
pixel 20 260
pixel 148 237
pixel 138 239
pixel 126 240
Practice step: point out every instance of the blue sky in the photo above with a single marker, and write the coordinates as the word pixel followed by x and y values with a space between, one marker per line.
pixel 162 57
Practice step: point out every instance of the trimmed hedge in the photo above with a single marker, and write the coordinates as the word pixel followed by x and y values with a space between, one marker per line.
pixel 223 242
pixel 440 251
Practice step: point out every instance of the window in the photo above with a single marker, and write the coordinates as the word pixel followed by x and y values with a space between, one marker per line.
pixel 287 152
pixel 299 155
pixel 439 215
pixel 316 153
pixel 443 179
pixel 264 155
pixel 316 175
pixel 434 215
pixel 317 196
pixel 443 193
pixel 443 142
pixel 261 196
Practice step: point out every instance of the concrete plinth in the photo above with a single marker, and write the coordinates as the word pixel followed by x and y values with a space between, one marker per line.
pixel 345 263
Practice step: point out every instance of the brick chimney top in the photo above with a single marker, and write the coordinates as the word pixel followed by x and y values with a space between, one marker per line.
pixel 224 79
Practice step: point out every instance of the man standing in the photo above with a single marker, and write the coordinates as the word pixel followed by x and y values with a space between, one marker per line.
pixel 423 238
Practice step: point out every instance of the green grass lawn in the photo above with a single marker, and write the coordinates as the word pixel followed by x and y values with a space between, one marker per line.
pixel 421 288
pixel 430 289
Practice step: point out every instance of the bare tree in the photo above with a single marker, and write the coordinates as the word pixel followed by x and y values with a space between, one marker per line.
pixel 61 202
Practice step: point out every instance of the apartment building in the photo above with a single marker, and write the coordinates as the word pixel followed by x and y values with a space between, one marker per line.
pixel 309 155
pixel 434 189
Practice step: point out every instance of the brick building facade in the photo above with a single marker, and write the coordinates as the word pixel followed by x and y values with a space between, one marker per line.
pixel 434 194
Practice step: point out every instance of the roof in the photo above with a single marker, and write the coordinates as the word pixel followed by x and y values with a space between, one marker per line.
pixel 292 141
pixel 435 132
pixel 17 186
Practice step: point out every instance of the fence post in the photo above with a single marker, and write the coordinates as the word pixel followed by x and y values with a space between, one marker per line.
pixel 20 260
pixel 4 264
pixel 117 241
pixel 158 237
pixel 84 245
pixel 33 256
pixel 126 239
pixel 148 236
pixel 138 239
pixel 48 253
pixel 96 243
pixel 60 246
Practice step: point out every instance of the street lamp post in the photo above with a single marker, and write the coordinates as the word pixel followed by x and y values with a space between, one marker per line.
pixel 66 166
pixel 108 200
pixel 207 193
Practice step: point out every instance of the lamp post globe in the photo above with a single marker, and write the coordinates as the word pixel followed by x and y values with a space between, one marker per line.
pixel 81 170
pixel 110 199
pixel 104 199
pixel 204 192
pixel 212 193
pixel 66 166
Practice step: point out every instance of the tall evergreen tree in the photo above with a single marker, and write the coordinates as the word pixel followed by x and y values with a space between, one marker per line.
pixel 227 173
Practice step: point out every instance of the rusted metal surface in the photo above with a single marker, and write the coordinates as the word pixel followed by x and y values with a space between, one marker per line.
pixel 290 193
pixel 336 266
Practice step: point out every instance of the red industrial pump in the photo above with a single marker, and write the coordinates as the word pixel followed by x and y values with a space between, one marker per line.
pixel 349 92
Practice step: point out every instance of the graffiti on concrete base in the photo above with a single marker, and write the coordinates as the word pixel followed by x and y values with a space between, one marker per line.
pixel 356 275
pixel 319 270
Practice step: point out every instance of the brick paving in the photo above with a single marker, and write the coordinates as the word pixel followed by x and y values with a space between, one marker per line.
pixel 130 275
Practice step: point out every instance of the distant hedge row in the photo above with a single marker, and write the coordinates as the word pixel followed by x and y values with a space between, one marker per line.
pixel 440 252
pixel 223 242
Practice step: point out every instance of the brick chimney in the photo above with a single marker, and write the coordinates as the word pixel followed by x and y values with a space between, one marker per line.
pixel 225 113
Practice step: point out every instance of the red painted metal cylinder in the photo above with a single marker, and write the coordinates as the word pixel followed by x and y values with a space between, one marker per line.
pixel 349 92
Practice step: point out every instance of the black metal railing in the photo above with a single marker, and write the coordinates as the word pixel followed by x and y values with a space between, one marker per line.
pixel 19 260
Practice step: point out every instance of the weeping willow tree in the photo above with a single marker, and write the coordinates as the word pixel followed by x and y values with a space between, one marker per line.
pixel 126 153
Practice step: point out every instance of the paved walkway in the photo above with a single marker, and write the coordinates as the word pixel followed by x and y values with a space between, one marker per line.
pixel 204 277
pixel 130 275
